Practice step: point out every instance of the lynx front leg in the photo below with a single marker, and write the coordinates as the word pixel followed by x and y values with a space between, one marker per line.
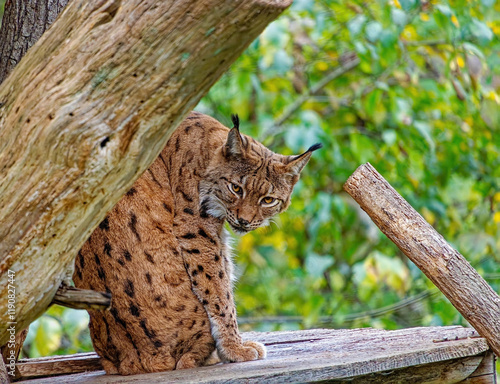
pixel 209 269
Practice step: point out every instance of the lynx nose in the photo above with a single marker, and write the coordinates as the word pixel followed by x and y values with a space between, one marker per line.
pixel 243 222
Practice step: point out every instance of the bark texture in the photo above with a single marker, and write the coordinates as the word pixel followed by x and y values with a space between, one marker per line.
pixel 469 293
pixel 24 21
pixel 87 110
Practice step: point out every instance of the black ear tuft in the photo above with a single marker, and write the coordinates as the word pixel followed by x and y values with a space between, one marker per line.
pixel 315 147
pixel 295 164
pixel 236 121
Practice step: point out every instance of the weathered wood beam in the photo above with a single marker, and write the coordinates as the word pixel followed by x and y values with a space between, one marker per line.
pixel 485 372
pixel 77 298
pixel 59 365
pixel 86 111
pixel 469 293
pixel 414 355
pixel 443 372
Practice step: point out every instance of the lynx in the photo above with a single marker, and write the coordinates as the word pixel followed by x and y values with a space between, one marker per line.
pixel 163 253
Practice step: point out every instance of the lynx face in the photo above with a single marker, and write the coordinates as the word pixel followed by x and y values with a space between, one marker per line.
pixel 247 184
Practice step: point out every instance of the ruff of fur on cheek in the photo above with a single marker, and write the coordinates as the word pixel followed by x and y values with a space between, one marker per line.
pixel 212 205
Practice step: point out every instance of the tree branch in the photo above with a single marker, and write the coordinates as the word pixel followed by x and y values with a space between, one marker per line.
pixel 469 293
pixel 76 298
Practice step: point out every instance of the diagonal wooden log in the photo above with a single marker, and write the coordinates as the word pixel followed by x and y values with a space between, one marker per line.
pixel 469 293
pixel 86 111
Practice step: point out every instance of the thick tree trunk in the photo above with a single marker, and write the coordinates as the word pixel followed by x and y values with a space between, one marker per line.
pixel 88 109
pixel 469 293
pixel 24 21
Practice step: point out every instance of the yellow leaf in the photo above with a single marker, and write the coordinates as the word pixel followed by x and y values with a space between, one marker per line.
pixel 298 225
pixel 350 118
pixel 277 240
pixel 246 243
pixel 396 4
pixel 292 242
pixel 409 32
pixel 424 16
pixel 48 335
pixel 455 22
pixel 413 181
pixel 496 197
pixel 491 95
pixel 294 262
pixel 429 216
pixel 495 27
pixel 460 61
pixel 322 66
pixel 496 217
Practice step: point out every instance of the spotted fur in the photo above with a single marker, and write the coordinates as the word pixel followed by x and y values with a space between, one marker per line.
pixel 163 254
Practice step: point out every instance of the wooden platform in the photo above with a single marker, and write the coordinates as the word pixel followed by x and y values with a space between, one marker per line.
pixel 415 355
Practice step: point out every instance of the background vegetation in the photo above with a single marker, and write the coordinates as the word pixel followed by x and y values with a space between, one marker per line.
pixel 410 86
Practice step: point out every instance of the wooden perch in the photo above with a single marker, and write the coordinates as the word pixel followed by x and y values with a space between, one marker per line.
pixel 77 298
pixel 359 356
pixel 87 110
pixel 469 293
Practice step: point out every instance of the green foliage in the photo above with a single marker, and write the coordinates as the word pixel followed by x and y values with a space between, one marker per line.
pixel 422 106
pixel 59 331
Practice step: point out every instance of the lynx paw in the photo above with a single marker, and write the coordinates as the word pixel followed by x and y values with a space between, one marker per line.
pixel 259 347
pixel 249 350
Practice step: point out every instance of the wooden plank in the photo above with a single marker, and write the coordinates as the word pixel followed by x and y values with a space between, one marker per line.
pixel 485 372
pixel 322 354
pixel 444 372
pixel 59 365
pixel 469 293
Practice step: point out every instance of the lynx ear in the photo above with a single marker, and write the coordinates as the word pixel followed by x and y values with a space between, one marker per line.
pixel 297 163
pixel 235 142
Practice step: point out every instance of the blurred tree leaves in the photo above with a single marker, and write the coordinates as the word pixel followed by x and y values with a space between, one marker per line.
pixel 59 331
pixel 421 103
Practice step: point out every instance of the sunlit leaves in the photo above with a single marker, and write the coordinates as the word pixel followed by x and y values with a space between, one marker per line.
pixel 59 331
pixel 44 336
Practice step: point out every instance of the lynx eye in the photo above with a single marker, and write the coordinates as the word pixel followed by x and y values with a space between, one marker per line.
pixel 236 189
pixel 268 200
